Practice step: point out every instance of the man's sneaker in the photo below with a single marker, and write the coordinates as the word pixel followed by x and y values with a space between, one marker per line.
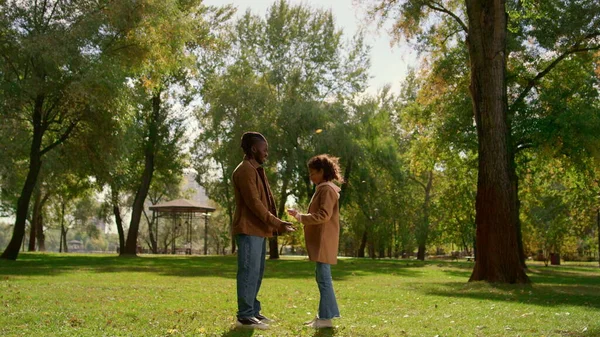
pixel 311 321
pixel 251 323
pixel 263 319
pixel 318 323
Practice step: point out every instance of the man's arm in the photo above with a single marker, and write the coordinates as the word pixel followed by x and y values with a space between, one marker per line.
pixel 246 181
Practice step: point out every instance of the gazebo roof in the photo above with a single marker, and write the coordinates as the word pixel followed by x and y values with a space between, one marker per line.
pixel 182 206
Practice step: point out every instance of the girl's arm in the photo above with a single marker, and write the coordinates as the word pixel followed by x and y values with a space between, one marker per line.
pixel 327 201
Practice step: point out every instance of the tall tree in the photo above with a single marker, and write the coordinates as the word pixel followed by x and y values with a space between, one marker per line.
pixel 565 29
pixel 56 66
pixel 285 66
pixel 190 27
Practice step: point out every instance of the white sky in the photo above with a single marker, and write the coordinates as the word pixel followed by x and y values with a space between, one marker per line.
pixel 389 65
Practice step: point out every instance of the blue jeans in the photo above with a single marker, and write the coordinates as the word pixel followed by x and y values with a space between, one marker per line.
pixel 328 307
pixel 252 251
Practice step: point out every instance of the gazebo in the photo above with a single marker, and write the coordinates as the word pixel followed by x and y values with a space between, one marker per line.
pixel 183 209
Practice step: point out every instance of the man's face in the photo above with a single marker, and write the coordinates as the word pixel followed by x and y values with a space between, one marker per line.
pixel 260 151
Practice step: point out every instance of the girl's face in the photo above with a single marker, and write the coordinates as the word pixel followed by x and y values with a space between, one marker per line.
pixel 316 176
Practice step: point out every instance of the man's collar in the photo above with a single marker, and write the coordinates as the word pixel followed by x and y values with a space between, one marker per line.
pixel 253 162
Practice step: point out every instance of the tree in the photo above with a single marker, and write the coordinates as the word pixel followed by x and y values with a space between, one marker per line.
pixel 282 70
pixel 558 31
pixel 189 27
pixel 56 66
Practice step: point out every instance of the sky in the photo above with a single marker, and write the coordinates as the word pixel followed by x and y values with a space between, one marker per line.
pixel 389 64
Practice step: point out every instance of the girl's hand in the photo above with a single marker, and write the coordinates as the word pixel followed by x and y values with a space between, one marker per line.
pixel 292 212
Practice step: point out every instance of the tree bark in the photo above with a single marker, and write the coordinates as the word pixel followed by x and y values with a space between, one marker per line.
pixel 63 232
pixel 230 202
pixel 273 242
pixel 34 226
pixel 35 162
pixel 363 245
pixel 598 219
pixel 38 217
pixel 517 215
pixel 347 173
pixel 153 235
pixel 146 179
pixel 497 253
pixel 423 231
pixel 118 219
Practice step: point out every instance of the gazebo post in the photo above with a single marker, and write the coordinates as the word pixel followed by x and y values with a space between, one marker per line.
pixel 188 236
pixel 206 233
pixel 173 244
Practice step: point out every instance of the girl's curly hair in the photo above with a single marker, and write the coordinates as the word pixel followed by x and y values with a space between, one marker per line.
pixel 330 166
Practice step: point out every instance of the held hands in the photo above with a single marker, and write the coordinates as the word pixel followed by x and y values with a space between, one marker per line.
pixel 287 227
pixel 292 212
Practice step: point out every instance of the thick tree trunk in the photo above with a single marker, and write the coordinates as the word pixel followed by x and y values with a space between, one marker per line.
pixel 35 162
pixel 421 252
pixel 363 245
pixel 118 218
pixel 497 253
pixel 146 179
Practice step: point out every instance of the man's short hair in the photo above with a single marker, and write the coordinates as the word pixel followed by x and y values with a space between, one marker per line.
pixel 251 138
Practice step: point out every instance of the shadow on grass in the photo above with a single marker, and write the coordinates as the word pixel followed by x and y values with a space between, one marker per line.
pixel 234 332
pixel 549 288
pixel 196 266
pixel 328 332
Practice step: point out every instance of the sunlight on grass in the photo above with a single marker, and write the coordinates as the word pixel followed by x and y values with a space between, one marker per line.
pixel 93 295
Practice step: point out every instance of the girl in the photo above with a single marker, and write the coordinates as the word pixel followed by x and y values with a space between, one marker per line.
pixel 322 231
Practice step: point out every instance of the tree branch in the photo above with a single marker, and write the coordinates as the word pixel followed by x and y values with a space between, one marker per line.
pixel 440 8
pixel 417 181
pixel 61 140
pixel 532 82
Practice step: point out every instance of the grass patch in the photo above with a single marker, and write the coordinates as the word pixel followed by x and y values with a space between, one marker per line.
pixel 95 295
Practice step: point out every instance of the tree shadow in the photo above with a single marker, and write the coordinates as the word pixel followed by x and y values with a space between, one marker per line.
pixel 197 266
pixel 546 290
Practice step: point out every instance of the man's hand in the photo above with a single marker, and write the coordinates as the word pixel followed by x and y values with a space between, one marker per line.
pixel 287 227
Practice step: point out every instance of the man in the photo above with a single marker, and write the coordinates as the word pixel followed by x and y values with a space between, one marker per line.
pixel 253 222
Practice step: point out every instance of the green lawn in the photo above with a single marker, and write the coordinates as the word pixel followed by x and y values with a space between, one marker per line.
pixel 91 295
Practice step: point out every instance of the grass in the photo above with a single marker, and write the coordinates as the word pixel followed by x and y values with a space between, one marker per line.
pixel 94 295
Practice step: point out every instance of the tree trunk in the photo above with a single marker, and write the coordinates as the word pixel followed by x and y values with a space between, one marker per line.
pixel 517 209
pixel 35 162
pixel 118 218
pixel 35 217
pixel 497 253
pixel 38 218
pixel 421 252
pixel 153 235
pixel 63 232
pixel 146 179
pixel 363 245
pixel 598 219
pixel 423 231
pixel 273 242
pixel 347 173
pixel 230 202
